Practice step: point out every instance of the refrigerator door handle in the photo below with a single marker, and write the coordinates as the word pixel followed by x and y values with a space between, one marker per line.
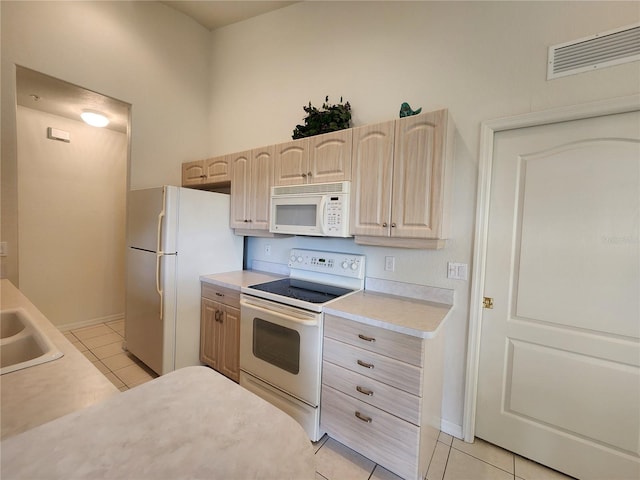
pixel 158 289
pixel 159 252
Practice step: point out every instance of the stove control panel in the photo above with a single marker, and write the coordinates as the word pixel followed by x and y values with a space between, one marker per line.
pixel 334 263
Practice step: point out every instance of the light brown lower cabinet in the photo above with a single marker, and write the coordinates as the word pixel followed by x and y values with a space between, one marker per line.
pixel 382 394
pixel 220 330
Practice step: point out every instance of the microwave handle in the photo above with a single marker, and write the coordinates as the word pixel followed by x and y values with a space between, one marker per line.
pixel 323 214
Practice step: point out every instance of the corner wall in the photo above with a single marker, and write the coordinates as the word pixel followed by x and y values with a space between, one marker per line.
pixel 481 60
pixel 144 53
pixel 72 219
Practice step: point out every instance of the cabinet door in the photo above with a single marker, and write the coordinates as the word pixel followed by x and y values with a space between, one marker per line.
pixel 262 165
pixel 330 157
pixel 217 169
pixel 229 360
pixel 193 173
pixel 292 162
pixel 209 332
pixel 240 187
pixel 418 175
pixel 371 179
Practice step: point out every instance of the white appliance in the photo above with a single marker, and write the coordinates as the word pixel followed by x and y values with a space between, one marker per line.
pixel 317 209
pixel 281 328
pixel 174 235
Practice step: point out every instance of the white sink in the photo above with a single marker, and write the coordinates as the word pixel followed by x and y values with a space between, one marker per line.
pixel 22 343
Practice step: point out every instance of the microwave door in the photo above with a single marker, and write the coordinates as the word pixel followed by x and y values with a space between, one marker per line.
pixel 295 215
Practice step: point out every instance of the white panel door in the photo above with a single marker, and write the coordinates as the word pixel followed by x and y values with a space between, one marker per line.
pixel 559 371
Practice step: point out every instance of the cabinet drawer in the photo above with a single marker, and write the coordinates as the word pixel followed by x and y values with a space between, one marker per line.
pixel 224 295
pixel 379 340
pixel 378 367
pixel 385 439
pixel 390 399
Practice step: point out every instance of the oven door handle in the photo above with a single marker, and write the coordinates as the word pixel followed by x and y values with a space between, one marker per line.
pixel 288 318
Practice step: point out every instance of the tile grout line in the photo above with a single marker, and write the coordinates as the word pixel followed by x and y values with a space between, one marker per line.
pixel 489 463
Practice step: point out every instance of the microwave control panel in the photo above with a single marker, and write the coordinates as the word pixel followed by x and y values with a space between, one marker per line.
pixel 336 215
pixel 343 264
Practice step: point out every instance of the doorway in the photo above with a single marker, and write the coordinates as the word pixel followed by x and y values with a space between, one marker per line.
pixel 71 201
pixel 556 353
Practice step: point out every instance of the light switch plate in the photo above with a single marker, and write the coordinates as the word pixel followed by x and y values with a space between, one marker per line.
pixel 457 271
pixel 390 264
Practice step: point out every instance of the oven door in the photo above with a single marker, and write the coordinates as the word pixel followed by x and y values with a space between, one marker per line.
pixel 282 346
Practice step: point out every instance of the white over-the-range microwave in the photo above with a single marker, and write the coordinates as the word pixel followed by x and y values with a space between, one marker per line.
pixel 317 209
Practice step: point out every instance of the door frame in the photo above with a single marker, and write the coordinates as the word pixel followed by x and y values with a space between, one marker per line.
pixel 485 163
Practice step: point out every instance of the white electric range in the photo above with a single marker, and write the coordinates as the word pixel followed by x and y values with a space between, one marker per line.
pixel 281 331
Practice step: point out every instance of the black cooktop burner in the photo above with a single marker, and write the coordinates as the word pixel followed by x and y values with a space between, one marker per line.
pixel 302 290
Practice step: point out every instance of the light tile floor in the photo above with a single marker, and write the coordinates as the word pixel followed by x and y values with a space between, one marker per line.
pixel 452 459
pixel 102 344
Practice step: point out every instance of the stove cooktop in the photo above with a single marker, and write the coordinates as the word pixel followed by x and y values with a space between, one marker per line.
pixel 302 290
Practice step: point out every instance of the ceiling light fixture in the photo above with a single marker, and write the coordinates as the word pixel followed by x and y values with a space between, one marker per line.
pixel 94 119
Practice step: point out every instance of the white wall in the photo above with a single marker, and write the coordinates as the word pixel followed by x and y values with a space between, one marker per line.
pixel 143 53
pixel 72 218
pixel 481 60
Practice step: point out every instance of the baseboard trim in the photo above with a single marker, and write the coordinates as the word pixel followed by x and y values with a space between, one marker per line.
pixel 451 428
pixel 88 323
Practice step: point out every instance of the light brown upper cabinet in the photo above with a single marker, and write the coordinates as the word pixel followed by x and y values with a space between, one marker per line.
pixel 401 181
pixel 251 180
pixel 319 159
pixel 202 173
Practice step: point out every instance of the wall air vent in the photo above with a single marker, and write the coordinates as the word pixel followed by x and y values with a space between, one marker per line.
pixel 605 49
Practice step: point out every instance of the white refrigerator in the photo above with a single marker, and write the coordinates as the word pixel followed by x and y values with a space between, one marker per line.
pixel 174 235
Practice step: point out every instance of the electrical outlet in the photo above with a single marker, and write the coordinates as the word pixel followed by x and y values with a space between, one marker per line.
pixel 390 264
pixel 457 271
pixel 267 249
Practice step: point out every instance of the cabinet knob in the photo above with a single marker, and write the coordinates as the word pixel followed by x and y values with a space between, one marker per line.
pixel 203 176
pixel 393 225
pixel 309 174
pixel 384 224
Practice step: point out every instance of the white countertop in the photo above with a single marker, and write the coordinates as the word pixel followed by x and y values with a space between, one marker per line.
pixel 38 394
pixel 411 316
pixel 238 279
pixel 191 423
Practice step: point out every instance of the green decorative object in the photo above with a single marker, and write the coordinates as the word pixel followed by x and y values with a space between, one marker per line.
pixel 405 110
pixel 329 119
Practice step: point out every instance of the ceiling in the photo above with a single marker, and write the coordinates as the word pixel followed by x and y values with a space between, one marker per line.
pixel 51 95
pixel 215 14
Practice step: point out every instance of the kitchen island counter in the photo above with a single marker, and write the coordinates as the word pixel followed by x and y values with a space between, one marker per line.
pixel 190 423
pixel 35 395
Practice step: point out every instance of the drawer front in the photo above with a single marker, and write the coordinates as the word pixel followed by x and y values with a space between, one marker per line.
pixel 387 398
pixel 379 340
pixel 379 436
pixel 221 294
pixel 383 369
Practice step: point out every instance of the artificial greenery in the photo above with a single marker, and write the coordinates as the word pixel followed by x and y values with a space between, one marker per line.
pixel 329 119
